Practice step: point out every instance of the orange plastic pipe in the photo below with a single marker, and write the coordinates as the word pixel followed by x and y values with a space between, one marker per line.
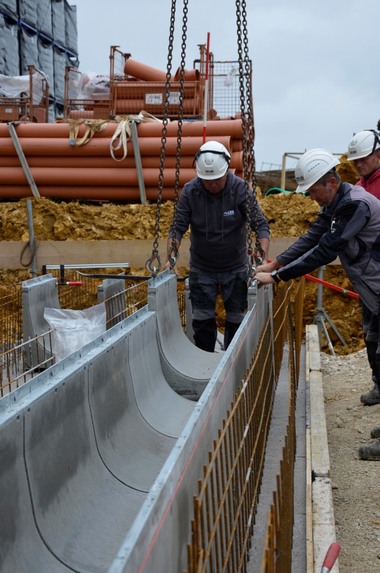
pixel 237 160
pixel 194 128
pixel 228 127
pixel 236 145
pixel 134 106
pixel 143 72
pixel 98 162
pixel 142 88
pixel 87 177
pixel 189 75
pixel 101 146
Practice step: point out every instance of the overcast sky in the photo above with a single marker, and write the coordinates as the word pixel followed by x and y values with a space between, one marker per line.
pixel 316 76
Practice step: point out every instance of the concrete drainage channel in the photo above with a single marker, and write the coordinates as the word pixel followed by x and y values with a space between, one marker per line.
pixel 89 471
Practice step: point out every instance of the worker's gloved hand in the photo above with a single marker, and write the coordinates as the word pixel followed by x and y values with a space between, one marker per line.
pixel 266 267
pixel 264 279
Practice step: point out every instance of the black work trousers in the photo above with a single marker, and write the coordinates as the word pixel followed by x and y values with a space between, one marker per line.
pixel 204 290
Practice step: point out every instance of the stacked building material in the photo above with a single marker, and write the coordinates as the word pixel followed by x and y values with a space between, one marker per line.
pixel 42 33
pixel 132 87
pixel 68 169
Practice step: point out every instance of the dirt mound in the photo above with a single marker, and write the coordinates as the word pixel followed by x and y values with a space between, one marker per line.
pixel 288 215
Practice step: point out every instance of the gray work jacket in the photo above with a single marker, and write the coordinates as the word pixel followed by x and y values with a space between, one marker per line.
pixel 218 235
pixel 349 228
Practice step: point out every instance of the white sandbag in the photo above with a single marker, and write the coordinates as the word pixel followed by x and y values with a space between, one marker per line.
pixel 73 329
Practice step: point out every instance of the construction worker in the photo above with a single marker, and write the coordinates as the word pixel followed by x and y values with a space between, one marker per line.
pixel 364 152
pixel 214 206
pixel 348 227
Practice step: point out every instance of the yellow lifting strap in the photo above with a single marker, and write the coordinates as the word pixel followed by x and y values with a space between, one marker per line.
pixel 123 132
pixel 120 137
pixel 92 126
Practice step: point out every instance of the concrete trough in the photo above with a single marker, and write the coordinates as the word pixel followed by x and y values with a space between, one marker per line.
pixel 101 458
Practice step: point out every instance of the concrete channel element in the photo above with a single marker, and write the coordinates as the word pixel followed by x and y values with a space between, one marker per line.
pixel 37 294
pixel 186 367
pixel 100 457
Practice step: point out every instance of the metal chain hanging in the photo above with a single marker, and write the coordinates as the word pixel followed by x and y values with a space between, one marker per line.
pixel 150 263
pixel 246 107
pixel 150 266
pixel 174 249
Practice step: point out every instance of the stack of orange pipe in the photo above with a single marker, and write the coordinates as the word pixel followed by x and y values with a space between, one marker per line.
pixel 144 88
pixel 88 172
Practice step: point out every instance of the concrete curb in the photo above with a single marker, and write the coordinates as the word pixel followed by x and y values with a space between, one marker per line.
pixel 319 502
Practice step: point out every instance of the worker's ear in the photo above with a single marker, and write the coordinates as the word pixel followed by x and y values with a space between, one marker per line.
pixel 333 179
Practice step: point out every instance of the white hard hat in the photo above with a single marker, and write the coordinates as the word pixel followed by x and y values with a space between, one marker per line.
pixel 313 165
pixel 212 160
pixel 363 144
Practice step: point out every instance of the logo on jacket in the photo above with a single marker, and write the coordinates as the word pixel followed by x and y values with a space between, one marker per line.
pixel 229 213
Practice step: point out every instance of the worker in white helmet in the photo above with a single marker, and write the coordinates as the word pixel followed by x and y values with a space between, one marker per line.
pixel 214 206
pixel 348 227
pixel 364 152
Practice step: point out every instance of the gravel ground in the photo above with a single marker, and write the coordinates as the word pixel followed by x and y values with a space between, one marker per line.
pixel 355 482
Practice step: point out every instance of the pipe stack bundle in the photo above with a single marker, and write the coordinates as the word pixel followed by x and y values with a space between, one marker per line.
pixel 142 87
pixel 66 171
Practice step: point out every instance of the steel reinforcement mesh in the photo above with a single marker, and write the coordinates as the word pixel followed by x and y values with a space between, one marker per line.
pixel 226 502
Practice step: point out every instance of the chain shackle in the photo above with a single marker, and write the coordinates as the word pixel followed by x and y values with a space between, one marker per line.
pixel 150 267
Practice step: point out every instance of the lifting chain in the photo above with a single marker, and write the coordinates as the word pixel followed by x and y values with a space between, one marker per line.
pixel 153 264
pixel 248 134
pixel 155 254
pixel 174 249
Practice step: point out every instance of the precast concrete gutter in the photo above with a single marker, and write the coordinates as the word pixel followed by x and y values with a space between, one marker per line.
pixel 165 518
pixel 101 458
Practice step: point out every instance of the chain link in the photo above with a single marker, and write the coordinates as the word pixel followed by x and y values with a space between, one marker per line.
pixel 174 249
pixel 150 264
pixel 248 133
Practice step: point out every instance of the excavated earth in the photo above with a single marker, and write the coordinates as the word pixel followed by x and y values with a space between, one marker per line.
pixel 288 215
pixel 345 376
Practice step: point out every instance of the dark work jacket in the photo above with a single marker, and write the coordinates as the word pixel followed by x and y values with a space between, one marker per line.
pixel 349 228
pixel 218 237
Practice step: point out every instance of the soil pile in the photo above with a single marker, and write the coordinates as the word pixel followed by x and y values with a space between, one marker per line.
pixel 288 215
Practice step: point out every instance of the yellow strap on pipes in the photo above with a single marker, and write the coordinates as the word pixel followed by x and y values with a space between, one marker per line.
pixel 92 126
pixel 123 132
